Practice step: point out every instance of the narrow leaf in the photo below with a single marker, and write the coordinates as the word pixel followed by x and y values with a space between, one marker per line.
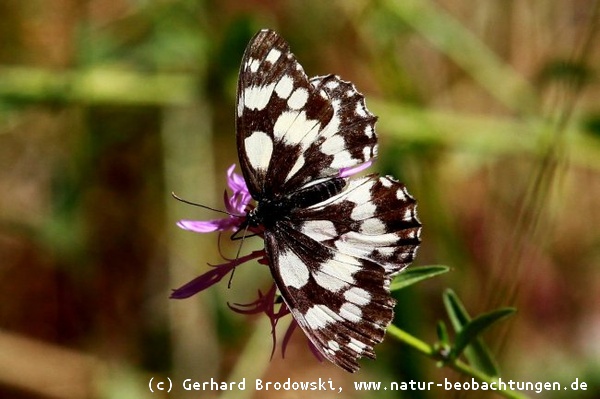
pixel 415 274
pixel 470 331
pixel 442 333
pixel 456 311
pixel 477 353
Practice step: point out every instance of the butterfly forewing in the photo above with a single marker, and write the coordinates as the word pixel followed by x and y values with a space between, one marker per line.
pixel 276 108
pixel 318 126
pixel 333 260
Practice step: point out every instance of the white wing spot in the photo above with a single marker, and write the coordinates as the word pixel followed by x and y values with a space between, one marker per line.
pixel 294 272
pixel 386 251
pixel 362 245
pixel 351 312
pixel 356 345
pixel 253 64
pixel 259 148
pixel 342 160
pixel 333 345
pixel 360 109
pixel 357 296
pixel 341 267
pixel 240 105
pixel 332 84
pixel 385 182
pixel 319 316
pixel 273 55
pixel 283 123
pixel 367 153
pixel 293 127
pixel 369 131
pixel 257 97
pixel 298 98
pixel 401 194
pixel 284 86
pixel 361 192
pixel 373 227
pixel 319 230
pixel 333 145
pixel 329 282
pixel 363 211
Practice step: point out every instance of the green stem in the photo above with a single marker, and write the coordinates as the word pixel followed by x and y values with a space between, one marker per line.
pixel 411 340
pixel 457 364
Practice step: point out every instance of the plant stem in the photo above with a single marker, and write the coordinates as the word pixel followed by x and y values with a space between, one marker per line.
pixel 457 364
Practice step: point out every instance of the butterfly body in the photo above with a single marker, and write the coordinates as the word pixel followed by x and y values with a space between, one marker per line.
pixel 333 243
pixel 269 211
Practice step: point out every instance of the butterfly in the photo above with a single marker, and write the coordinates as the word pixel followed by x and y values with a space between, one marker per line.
pixel 333 243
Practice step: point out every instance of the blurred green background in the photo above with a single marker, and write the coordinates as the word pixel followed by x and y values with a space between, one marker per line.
pixel 489 111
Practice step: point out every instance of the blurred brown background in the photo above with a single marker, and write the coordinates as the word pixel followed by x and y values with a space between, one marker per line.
pixel 489 112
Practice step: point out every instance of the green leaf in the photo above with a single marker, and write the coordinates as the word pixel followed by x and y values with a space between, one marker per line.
pixel 475 327
pixel 415 274
pixel 477 353
pixel 442 333
pixel 456 311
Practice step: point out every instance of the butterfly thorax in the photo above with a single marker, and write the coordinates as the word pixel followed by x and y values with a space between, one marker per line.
pixel 271 210
pixel 267 212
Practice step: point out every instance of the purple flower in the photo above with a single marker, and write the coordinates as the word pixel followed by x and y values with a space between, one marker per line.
pixel 213 276
pixel 235 205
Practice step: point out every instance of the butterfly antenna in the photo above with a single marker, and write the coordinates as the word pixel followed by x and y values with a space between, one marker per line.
pixel 178 198
pixel 237 255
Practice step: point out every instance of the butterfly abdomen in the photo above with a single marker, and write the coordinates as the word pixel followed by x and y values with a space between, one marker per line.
pixel 318 192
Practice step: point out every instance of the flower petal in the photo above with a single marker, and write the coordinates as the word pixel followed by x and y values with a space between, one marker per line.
pixel 236 204
pixel 202 282
pixel 208 226
pixel 346 172
pixel 236 182
pixel 213 276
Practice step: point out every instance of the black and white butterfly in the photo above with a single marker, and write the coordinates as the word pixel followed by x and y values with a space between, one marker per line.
pixel 333 243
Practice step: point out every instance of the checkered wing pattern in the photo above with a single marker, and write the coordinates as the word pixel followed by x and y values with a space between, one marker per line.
pixel 333 243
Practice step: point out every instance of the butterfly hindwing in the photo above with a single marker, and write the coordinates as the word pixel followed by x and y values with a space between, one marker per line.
pixel 347 140
pixel 342 303
pixel 333 263
pixel 375 218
